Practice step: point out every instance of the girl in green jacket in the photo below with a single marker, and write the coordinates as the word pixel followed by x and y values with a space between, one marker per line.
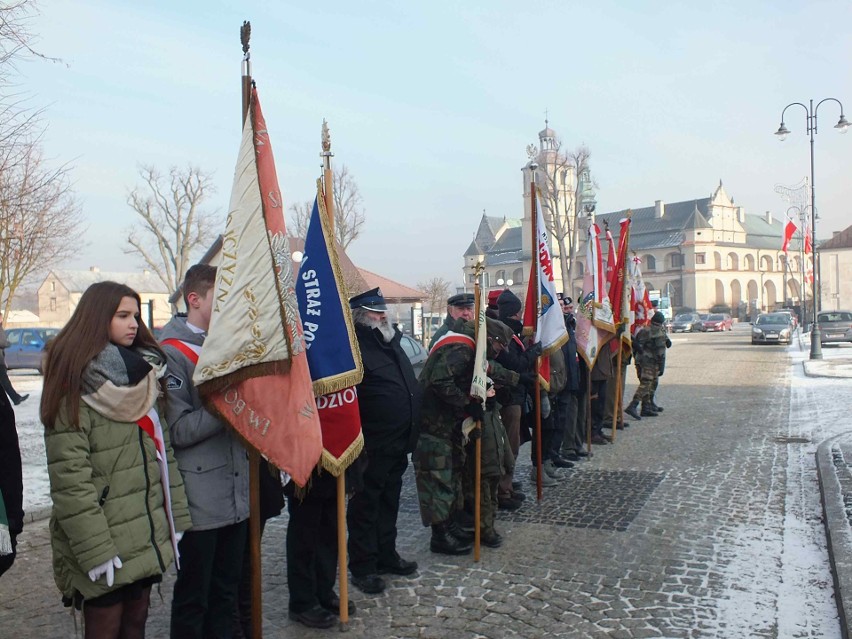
pixel 119 506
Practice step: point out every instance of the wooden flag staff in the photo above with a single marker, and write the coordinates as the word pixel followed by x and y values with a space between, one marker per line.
pixel 253 454
pixel 328 197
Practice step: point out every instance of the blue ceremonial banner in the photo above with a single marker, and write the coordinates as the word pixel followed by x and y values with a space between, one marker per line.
pixel 333 354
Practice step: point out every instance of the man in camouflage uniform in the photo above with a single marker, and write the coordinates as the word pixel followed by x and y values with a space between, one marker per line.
pixel 459 306
pixel 649 347
pixel 439 457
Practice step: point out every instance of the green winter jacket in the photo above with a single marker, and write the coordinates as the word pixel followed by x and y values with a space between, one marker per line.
pixel 107 501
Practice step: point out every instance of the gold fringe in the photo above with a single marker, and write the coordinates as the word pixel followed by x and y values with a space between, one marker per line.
pixel 339 465
pixel 335 383
pixel 556 345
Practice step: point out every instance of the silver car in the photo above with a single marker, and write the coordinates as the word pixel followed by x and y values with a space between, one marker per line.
pixel 835 326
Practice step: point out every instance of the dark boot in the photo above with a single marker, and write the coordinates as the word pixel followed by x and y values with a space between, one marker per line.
pixel 654 405
pixel 631 410
pixel 647 411
pixel 444 543
pixel 459 533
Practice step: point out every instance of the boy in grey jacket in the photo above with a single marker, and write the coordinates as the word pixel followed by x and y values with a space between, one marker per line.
pixel 215 470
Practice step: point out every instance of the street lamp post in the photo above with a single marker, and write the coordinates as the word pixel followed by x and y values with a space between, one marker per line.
pixel 782 133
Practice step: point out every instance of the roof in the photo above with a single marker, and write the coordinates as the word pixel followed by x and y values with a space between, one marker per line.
pixel 474 249
pixel 393 292
pixel 508 249
pixel 79 281
pixel 843 239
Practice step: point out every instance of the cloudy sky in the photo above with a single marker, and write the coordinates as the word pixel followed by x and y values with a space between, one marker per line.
pixel 431 105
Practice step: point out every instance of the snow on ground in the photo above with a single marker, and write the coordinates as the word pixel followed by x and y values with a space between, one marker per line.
pixel 31 438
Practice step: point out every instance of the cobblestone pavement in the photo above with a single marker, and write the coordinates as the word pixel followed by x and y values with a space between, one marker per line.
pixel 702 522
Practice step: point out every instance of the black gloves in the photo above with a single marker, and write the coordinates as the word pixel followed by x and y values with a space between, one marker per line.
pixel 527 378
pixel 475 434
pixel 534 350
pixel 668 343
pixel 475 410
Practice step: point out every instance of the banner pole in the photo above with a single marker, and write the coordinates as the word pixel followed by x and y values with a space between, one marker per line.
pixel 342 555
pixel 253 454
pixel 616 404
pixel 477 480
pixel 536 291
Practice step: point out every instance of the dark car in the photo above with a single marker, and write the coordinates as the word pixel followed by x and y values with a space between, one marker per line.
pixel 835 326
pixel 26 347
pixel 416 353
pixel 687 323
pixel 772 328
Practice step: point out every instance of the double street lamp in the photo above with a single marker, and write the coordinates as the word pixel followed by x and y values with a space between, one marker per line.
pixel 782 133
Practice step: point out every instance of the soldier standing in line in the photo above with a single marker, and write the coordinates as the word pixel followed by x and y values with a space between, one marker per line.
pixel 440 454
pixel 649 347
pixel 459 306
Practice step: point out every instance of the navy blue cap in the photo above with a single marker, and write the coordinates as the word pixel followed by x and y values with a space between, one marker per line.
pixel 371 300
pixel 462 299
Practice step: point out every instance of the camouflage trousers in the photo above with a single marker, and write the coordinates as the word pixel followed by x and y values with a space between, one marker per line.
pixel 647 382
pixel 438 468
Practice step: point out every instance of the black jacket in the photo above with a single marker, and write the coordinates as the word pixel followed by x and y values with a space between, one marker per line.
pixel 514 358
pixel 572 366
pixel 388 396
pixel 11 482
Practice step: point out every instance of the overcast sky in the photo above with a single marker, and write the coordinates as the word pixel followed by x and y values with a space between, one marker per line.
pixel 431 105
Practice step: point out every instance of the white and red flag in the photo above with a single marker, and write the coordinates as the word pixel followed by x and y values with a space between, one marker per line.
pixel 789 230
pixel 542 311
pixel 619 293
pixel 253 370
pixel 641 309
pixel 602 309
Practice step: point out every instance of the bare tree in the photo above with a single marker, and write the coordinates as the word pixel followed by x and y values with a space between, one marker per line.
pixel 349 215
pixel 560 188
pixel 16 38
pixel 300 218
pixel 40 222
pixel 172 222
pixel 437 289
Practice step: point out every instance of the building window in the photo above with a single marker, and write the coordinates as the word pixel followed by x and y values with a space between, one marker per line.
pixel 699 258
pixel 52 286
pixel 677 260
pixel 518 276
pixel 471 278
pixel 53 304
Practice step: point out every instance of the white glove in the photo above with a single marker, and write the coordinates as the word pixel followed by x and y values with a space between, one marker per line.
pixel 178 536
pixel 107 568
pixel 285 478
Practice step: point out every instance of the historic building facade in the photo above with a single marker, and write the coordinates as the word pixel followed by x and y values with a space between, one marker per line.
pixel 703 252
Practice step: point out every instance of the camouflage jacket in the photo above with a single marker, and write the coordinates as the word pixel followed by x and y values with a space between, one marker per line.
pixel 649 345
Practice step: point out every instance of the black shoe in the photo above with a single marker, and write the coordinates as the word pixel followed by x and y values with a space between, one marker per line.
pixel 463 520
pixel 444 543
pixel 659 409
pixel 333 605
pixel 561 462
pixel 582 453
pixel 600 439
pixel 456 531
pixel 619 426
pixel 316 617
pixel 631 410
pixel 369 584
pixel 21 398
pixel 517 495
pixel 398 566
pixel 648 412
pixel 507 502
pixel 517 485
pixel 572 457
pixel 494 540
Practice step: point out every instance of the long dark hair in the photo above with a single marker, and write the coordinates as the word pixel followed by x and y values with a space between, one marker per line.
pixel 84 336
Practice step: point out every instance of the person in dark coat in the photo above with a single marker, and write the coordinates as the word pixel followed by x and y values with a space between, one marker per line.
pixel 11 480
pixel 389 399
pixel 5 382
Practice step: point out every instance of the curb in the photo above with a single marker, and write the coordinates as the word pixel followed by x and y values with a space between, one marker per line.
pixel 37 515
pixel 829 460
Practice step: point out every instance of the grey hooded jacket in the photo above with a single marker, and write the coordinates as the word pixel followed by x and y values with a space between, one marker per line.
pixel 214 464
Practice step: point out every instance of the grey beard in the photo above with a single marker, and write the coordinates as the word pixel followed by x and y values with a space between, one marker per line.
pixel 383 326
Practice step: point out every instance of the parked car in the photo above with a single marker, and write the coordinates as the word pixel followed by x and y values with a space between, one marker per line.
pixel 416 353
pixel 834 326
pixel 772 328
pixel 26 347
pixel 718 322
pixel 687 323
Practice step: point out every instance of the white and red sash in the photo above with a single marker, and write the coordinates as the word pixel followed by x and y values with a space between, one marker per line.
pixel 451 337
pixel 191 351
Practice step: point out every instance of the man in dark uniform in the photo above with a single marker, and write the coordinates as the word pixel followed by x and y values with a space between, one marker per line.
pixel 389 402
pixel 649 347
pixel 459 306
